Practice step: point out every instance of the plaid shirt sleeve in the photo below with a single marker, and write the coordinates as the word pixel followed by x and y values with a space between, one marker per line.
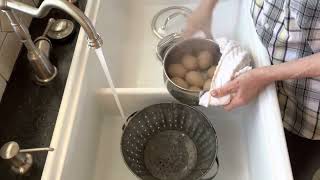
pixel 290 29
pixel 307 16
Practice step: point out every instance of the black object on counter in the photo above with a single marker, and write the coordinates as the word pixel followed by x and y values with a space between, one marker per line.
pixel 304 156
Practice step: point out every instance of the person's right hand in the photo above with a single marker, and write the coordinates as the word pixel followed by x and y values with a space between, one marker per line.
pixel 200 21
pixel 245 87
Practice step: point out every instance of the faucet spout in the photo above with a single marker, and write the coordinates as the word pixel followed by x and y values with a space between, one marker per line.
pixel 94 39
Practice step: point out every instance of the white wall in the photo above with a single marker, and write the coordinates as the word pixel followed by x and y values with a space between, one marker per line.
pixel 10 45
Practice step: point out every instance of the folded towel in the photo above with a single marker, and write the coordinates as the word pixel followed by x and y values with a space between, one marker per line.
pixel 233 62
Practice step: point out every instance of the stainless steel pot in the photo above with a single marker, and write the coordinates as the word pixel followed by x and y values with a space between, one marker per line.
pixel 171 49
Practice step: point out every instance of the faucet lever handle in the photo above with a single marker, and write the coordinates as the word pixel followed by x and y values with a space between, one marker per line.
pixel 36 150
pixel 20 160
pixel 50 23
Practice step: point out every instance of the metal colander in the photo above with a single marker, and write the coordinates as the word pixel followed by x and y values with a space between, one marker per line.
pixel 169 141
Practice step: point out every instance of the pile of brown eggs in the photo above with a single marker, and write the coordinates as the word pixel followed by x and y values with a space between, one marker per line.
pixel 193 72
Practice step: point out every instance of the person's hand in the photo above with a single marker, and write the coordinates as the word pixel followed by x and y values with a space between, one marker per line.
pixel 244 88
pixel 200 20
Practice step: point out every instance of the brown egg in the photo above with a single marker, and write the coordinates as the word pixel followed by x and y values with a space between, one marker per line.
pixel 190 62
pixel 211 71
pixel 194 88
pixel 177 70
pixel 180 82
pixel 207 85
pixel 205 60
pixel 195 78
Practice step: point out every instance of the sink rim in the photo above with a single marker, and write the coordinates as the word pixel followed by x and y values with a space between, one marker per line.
pixel 55 160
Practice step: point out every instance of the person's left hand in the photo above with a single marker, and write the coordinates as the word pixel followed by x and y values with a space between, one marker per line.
pixel 244 88
pixel 199 21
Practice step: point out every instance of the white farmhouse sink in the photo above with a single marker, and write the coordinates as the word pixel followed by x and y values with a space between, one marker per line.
pixel 88 129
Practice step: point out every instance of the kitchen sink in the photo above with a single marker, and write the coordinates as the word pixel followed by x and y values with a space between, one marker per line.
pixel 251 139
pixel 87 133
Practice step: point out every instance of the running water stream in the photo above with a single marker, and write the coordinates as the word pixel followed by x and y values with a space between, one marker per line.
pixel 110 81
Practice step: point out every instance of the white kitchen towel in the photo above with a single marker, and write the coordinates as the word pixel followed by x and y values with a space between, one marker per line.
pixel 233 62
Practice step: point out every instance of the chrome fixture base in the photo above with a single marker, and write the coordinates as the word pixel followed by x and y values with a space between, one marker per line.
pixel 43 82
pixel 23 169
pixel 20 160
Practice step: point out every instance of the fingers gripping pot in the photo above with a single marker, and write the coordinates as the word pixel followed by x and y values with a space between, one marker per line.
pixel 170 141
pixel 172 47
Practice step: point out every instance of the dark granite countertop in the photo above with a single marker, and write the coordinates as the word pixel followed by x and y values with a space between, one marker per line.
pixel 28 112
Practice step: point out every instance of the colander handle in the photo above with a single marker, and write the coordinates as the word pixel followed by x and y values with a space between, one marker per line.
pixel 128 120
pixel 215 174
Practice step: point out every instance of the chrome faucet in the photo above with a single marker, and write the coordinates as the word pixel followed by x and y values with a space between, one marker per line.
pixel 43 68
pixel 94 39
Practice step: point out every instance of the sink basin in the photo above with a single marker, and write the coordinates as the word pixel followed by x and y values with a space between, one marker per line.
pixel 244 147
pixel 88 129
pixel 127 31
